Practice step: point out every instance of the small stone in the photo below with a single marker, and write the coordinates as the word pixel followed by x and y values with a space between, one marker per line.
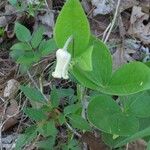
pixel 11 88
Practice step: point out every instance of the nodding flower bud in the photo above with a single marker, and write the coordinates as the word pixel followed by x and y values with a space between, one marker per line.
pixel 62 65
pixel 63 58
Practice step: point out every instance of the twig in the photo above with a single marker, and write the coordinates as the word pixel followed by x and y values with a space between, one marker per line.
pixel 35 84
pixel 105 32
pixel 113 21
pixel 73 130
pixel 127 146
pixel 31 78
pixel 2 99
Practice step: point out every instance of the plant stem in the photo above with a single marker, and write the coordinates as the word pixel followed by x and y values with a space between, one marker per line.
pixel 68 42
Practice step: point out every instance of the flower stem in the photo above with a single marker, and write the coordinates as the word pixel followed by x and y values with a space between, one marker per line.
pixel 68 42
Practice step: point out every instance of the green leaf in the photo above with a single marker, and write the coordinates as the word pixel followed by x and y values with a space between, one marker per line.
pixel 47 47
pixel 72 108
pixel 101 62
pixel 148 146
pixel 35 114
pixel 28 58
pixel 15 54
pixel 73 145
pixel 144 123
pixel 22 33
pixel 130 78
pixel 26 138
pixel 37 37
pixel 137 135
pixel 137 104
pixel 13 2
pixel 46 144
pixel 101 71
pixel 61 119
pixel 109 140
pixel 72 21
pixel 105 114
pixel 48 129
pixel 84 77
pixel 124 81
pixel 33 94
pixel 55 99
pixel 85 60
pixel 65 92
pixel 21 46
pixel 78 122
pixel 23 68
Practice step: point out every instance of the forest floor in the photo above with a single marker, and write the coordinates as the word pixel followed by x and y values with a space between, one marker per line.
pixel 124 24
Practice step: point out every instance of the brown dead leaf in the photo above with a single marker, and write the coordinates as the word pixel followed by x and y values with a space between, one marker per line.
pixel 118 59
pixel 137 145
pixel 103 6
pixel 10 117
pixel 121 56
pixel 47 20
pixel 145 4
pixel 139 25
pixel 9 30
pixel 93 142
pixel 125 4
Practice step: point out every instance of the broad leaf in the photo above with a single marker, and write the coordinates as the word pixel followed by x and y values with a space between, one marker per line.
pixel 28 58
pixel 84 77
pixel 72 145
pixel 144 132
pixel 37 37
pixel 105 114
pixel 101 71
pixel 26 138
pixel 21 46
pixel 109 140
pixel 35 114
pixel 69 92
pixel 48 129
pixel 138 135
pixel 33 94
pixel 101 63
pixel 78 122
pixel 15 54
pixel 72 108
pixel 72 21
pixel 46 144
pixel 137 104
pixel 54 97
pixel 85 60
pixel 47 47
pixel 130 78
pixel 22 33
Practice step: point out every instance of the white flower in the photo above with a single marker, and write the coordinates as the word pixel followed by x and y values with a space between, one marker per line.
pixel 63 58
pixel 62 65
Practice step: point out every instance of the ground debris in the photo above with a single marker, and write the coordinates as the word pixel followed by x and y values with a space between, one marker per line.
pixel 102 6
pixel 11 88
pixel 139 25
